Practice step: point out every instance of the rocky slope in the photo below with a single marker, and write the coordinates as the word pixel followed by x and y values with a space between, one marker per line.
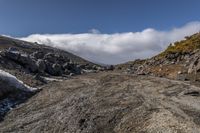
pixel 34 65
pixel 109 103
pixel 31 61
pixel 179 61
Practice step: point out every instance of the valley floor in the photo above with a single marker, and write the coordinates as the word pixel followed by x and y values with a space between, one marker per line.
pixel 109 102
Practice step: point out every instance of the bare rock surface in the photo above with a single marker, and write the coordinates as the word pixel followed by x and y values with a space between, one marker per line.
pixel 109 102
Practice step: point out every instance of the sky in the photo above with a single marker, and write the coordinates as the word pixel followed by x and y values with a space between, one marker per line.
pixel 105 31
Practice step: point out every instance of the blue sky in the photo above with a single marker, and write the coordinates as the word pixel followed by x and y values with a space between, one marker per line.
pixel 105 31
pixel 25 17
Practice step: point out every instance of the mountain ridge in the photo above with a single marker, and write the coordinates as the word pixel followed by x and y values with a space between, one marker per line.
pixel 152 95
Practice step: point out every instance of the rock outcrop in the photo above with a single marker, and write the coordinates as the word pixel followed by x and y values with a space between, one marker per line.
pixel 179 61
pixel 50 63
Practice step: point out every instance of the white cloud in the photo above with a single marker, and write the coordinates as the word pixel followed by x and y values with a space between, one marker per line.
pixel 118 47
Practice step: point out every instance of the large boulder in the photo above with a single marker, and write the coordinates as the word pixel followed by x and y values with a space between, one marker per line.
pixel 53 69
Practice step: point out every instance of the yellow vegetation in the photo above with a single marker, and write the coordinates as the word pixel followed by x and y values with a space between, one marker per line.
pixel 190 44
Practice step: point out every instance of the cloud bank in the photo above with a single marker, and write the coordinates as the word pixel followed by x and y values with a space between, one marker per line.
pixel 118 47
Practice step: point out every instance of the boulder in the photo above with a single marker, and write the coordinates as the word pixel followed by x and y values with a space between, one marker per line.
pixel 54 69
pixel 100 68
pixel 38 54
pixel 57 69
pixel 24 59
pixel 71 74
pixel 66 71
pixel 76 70
pixel 12 54
pixel 50 57
pixel 41 79
pixel 87 66
pixel 12 49
pixel 32 66
pixel 82 66
pixel 49 68
pixel 111 67
pixel 41 65
pixel 67 65
pixel 61 59
pixel 94 67
pixel 182 77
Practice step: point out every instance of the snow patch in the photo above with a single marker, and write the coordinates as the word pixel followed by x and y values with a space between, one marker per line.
pixel 52 79
pixel 13 81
